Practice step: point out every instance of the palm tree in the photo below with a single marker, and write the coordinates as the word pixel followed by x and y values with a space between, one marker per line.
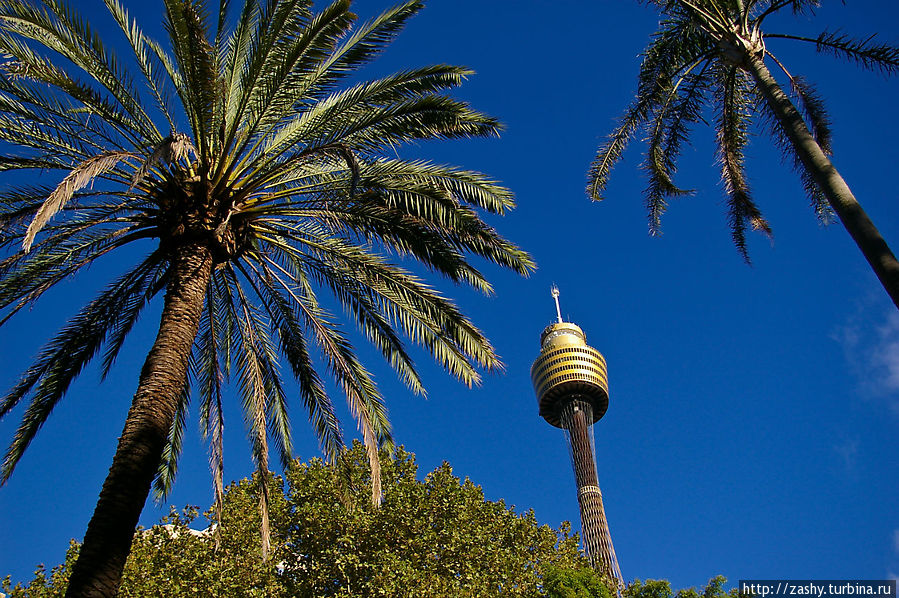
pixel 713 54
pixel 250 181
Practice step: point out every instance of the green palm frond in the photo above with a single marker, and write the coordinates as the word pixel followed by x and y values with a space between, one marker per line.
pixel 863 52
pixel 671 55
pixel 61 30
pixel 153 76
pixel 354 291
pixel 669 133
pixel 279 299
pixel 168 465
pixel 26 277
pixel 364 44
pixel 812 106
pixel 426 317
pixel 813 192
pixel 732 128
pixel 63 359
pixel 209 376
pixel 188 29
pixel 289 44
pixel 153 282
pixel 363 399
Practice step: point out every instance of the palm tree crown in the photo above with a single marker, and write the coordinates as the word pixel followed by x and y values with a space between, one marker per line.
pixel 256 179
pixel 712 55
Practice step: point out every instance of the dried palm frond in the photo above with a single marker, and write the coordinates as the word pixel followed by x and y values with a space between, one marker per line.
pixel 78 178
pixel 175 147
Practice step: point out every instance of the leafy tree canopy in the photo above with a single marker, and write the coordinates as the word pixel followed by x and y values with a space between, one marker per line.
pixel 433 537
pixel 653 588
pixel 562 582
pixel 575 583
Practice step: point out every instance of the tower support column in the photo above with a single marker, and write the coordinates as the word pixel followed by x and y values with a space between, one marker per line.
pixel 577 420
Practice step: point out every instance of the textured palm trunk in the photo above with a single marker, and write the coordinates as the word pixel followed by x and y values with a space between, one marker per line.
pixel 841 199
pixel 107 542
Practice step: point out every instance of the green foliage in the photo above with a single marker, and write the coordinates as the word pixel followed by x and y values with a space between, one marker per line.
pixel 42 585
pixel 575 583
pixel 435 537
pixel 652 588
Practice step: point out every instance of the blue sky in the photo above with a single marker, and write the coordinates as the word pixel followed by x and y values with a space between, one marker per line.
pixel 752 428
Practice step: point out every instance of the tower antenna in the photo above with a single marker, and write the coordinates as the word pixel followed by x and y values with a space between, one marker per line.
pixel 555 293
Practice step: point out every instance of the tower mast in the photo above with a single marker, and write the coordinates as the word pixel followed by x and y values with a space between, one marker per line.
pixel 572 389
pixel 555 293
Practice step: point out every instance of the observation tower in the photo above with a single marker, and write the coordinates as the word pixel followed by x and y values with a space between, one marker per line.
pixel 572 390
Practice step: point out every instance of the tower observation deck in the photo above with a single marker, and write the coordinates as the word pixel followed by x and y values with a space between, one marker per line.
pixel 572 389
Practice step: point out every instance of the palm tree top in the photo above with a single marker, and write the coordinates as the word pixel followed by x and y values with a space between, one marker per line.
pixel 695 70
pixel 246 156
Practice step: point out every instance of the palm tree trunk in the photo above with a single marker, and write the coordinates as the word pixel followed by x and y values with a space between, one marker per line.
pixel 107 542
pixel 835 189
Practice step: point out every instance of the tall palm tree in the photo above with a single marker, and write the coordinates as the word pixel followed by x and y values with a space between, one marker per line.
pixel 253 177
pixel 712 54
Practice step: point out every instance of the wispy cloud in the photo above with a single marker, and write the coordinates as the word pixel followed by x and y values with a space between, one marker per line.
pixel 871 346
pixel 848 453
pixel 887 359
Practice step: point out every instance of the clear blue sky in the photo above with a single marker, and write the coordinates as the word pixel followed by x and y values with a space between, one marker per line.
pixel 752 428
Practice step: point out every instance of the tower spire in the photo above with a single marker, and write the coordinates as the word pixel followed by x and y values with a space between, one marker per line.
pixel 555 293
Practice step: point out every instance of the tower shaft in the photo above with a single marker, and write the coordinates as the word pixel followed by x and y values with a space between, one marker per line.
pixel 577 420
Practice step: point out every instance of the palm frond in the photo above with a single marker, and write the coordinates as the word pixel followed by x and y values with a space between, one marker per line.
pixel 153 78
pixel 206 364
pixel 80 177
pixel 355 294
pixel 28 276
pixel 797 7
pixel 152 282
pixel 300 50
pixel 674 49
pixel 62 359
pixel 187 26
pixel 280 298
pixel 669 134
pixel 264 352
pixel 732 137
pixel 813 192
pixel 864 52
pixel 170 150
pixel 168 466
pixel 365 402
pixel 812 106
pixel 425 317
pixel 61 30
pixel 264 528
pixel 365 43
